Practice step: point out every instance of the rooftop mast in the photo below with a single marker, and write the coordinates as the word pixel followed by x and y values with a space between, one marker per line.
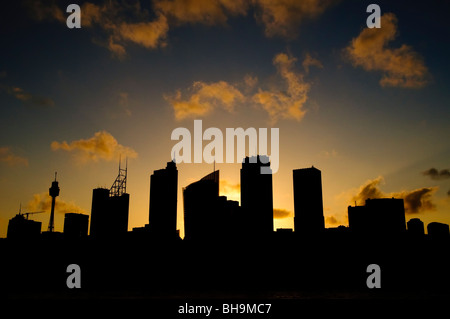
pixel 119 186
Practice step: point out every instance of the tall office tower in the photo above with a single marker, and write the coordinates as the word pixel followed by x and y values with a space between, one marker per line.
pixel 109 213
pixel 200 204
pixel 163 201
pixel 380 216
pixel 308 205
pixel 256 196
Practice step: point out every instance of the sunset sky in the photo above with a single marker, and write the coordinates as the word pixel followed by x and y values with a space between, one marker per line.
pixel 370 108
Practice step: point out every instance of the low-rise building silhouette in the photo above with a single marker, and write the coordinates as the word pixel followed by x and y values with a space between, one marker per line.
pixel 438 230
pixel 76 225
pixel 21 228
pixel 381 216
pixel 416 227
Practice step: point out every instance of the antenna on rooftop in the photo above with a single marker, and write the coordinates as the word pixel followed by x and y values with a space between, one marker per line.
pixel 119 186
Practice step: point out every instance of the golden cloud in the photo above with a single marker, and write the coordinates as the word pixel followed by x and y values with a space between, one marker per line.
pixel 287 104
pixel 124 22
pixel 310 61
pixel 416 201
pixel 283 17
pixel 102 146
pixel 43 202
pixel 250 81
pixel 204 98
pixel 280 213
pixel 91 14
pixel 114 19
pixel 43 11
pixel 8 157
pixel 150 35
pixel 208 12
pixel 116 49
pixel 401 67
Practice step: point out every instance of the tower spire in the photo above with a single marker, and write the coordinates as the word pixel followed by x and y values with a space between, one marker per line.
pixel 53 192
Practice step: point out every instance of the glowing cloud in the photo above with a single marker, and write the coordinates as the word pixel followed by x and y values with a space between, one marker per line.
pixel 208 12
pixel 283 17
pixel 129 22
pixel 288 104
pixel 102 146
pixel 401 67
pixel 310 61
pixel 43 202
pixel 8 157
pixel 148 34
pixel 204 98
pixel 279 213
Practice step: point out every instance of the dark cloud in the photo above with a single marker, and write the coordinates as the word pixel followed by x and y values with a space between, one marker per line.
pixel 435 174
pixel 368 190
pixel 416 201
pixel 28 98
pixel 280 213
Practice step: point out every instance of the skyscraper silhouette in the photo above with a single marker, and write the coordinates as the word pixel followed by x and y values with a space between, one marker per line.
pixel 200 203
pixel 308 205
pixel 256 196
pixel 109 214
pixel 163 201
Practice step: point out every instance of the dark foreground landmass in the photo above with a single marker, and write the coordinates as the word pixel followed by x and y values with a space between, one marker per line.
pixel 331 267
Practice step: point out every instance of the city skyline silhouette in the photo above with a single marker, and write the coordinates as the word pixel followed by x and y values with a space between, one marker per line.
pixel 377 231
pixel 108 202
